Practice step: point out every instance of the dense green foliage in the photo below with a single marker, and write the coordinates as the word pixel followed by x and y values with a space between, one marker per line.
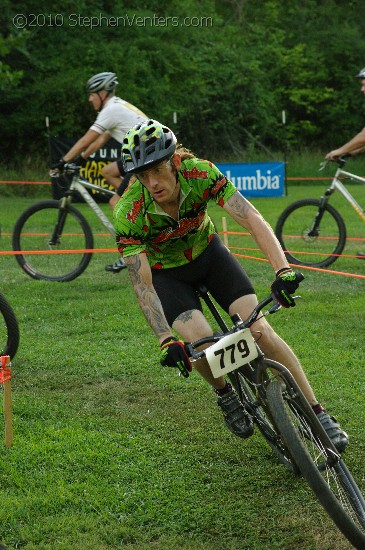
pixel 227 77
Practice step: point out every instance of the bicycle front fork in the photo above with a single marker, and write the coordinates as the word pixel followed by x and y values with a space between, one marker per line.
pixel 314 231
pixel 58 228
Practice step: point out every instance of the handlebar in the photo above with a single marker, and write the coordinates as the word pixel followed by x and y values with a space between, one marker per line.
pixel 69 168
pixel 238 325
pixel 341 161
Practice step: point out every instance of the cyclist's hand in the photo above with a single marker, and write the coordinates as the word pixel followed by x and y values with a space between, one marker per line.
pixel 334 155
pixel 173 354
pixel 285 284
pixel 58 165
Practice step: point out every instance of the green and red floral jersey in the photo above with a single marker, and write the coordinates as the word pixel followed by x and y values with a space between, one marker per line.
pixel 142 226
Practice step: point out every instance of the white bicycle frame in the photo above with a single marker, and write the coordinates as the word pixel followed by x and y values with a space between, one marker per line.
pixel 78 184
pixel 337 184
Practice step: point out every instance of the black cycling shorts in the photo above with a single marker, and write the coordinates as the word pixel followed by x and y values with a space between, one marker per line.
pixel 120 167
pixel 123 186
pixel 216 268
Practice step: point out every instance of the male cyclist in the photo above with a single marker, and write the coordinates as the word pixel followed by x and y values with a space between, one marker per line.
pixel 115 117
pixel 353 147
pixel 169 245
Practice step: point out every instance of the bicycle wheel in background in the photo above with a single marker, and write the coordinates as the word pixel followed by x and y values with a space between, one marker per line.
pixel 321 466
pixel 9 329
pixel 304 244
pixel 246 389
pixel 33 233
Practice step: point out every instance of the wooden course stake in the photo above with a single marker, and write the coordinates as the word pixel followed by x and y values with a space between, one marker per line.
pixel 5 380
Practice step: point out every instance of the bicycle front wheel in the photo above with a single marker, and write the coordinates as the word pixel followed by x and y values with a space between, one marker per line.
pixel 242 381
pixel 306 243
pixel 9 329
pixel 45 255
pixel 322 468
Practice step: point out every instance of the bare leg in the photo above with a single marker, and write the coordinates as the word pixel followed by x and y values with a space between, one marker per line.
pixel 112 175
pixel 192 325
pixel 273 346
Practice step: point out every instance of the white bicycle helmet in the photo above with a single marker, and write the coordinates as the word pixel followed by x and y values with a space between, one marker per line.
pixel 102 81
pixel 361 73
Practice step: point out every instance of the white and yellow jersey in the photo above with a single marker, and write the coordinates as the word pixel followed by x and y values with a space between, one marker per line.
pixel 117 117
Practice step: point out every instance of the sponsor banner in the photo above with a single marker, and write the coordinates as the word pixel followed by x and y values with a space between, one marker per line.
pixel 261 179
pixel 110 152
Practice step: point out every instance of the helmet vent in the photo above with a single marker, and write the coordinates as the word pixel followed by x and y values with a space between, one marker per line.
pixel 151 140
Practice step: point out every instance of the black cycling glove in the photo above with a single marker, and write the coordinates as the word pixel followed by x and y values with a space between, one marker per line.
pixel 173 354
pixel 285 284
pixel 58 165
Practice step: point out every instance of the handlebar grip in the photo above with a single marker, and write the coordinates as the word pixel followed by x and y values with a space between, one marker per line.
pixel 300 277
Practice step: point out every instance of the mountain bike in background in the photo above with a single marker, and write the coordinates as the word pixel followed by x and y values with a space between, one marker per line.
pixel 311 231
pixel 55 239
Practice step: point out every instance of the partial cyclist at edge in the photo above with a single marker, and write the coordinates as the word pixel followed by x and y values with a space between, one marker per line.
pixel 169 244
pixel 115 117
pixel 355 146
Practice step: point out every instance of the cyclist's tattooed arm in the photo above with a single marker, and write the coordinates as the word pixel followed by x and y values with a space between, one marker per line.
pixel 244 213
pixel 237 206
pixel 141 277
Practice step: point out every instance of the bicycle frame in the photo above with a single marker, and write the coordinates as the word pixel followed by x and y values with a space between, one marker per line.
pixel 80 185
pixel 337 184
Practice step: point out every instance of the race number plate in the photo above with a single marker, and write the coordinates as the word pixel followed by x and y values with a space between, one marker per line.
pixel 231 352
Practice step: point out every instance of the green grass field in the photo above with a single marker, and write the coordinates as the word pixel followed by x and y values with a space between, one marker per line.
pixel 112 451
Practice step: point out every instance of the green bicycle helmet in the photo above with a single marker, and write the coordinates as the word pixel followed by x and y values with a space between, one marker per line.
pixel 361 73
pixel 146 144
pixel 102 81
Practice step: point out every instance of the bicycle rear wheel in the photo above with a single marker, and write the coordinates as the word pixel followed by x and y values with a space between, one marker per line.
pixel 242 381
pixel 9 329
pixel 304 245
pixel 321 466
pixel 62 261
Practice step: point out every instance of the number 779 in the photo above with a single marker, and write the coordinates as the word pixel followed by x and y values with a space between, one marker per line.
pixel 232 353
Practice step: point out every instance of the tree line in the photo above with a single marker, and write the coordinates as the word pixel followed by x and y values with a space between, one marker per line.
pixel 230 77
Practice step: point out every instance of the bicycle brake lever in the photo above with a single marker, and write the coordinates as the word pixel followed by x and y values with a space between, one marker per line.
pixel 71 167
pixel 54 173
pixel 275 307
pixel 189 349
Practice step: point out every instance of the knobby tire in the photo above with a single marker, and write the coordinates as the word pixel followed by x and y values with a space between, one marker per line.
pixel 329 479
pixel 9 329
pixel 292 230
pixel 33 231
